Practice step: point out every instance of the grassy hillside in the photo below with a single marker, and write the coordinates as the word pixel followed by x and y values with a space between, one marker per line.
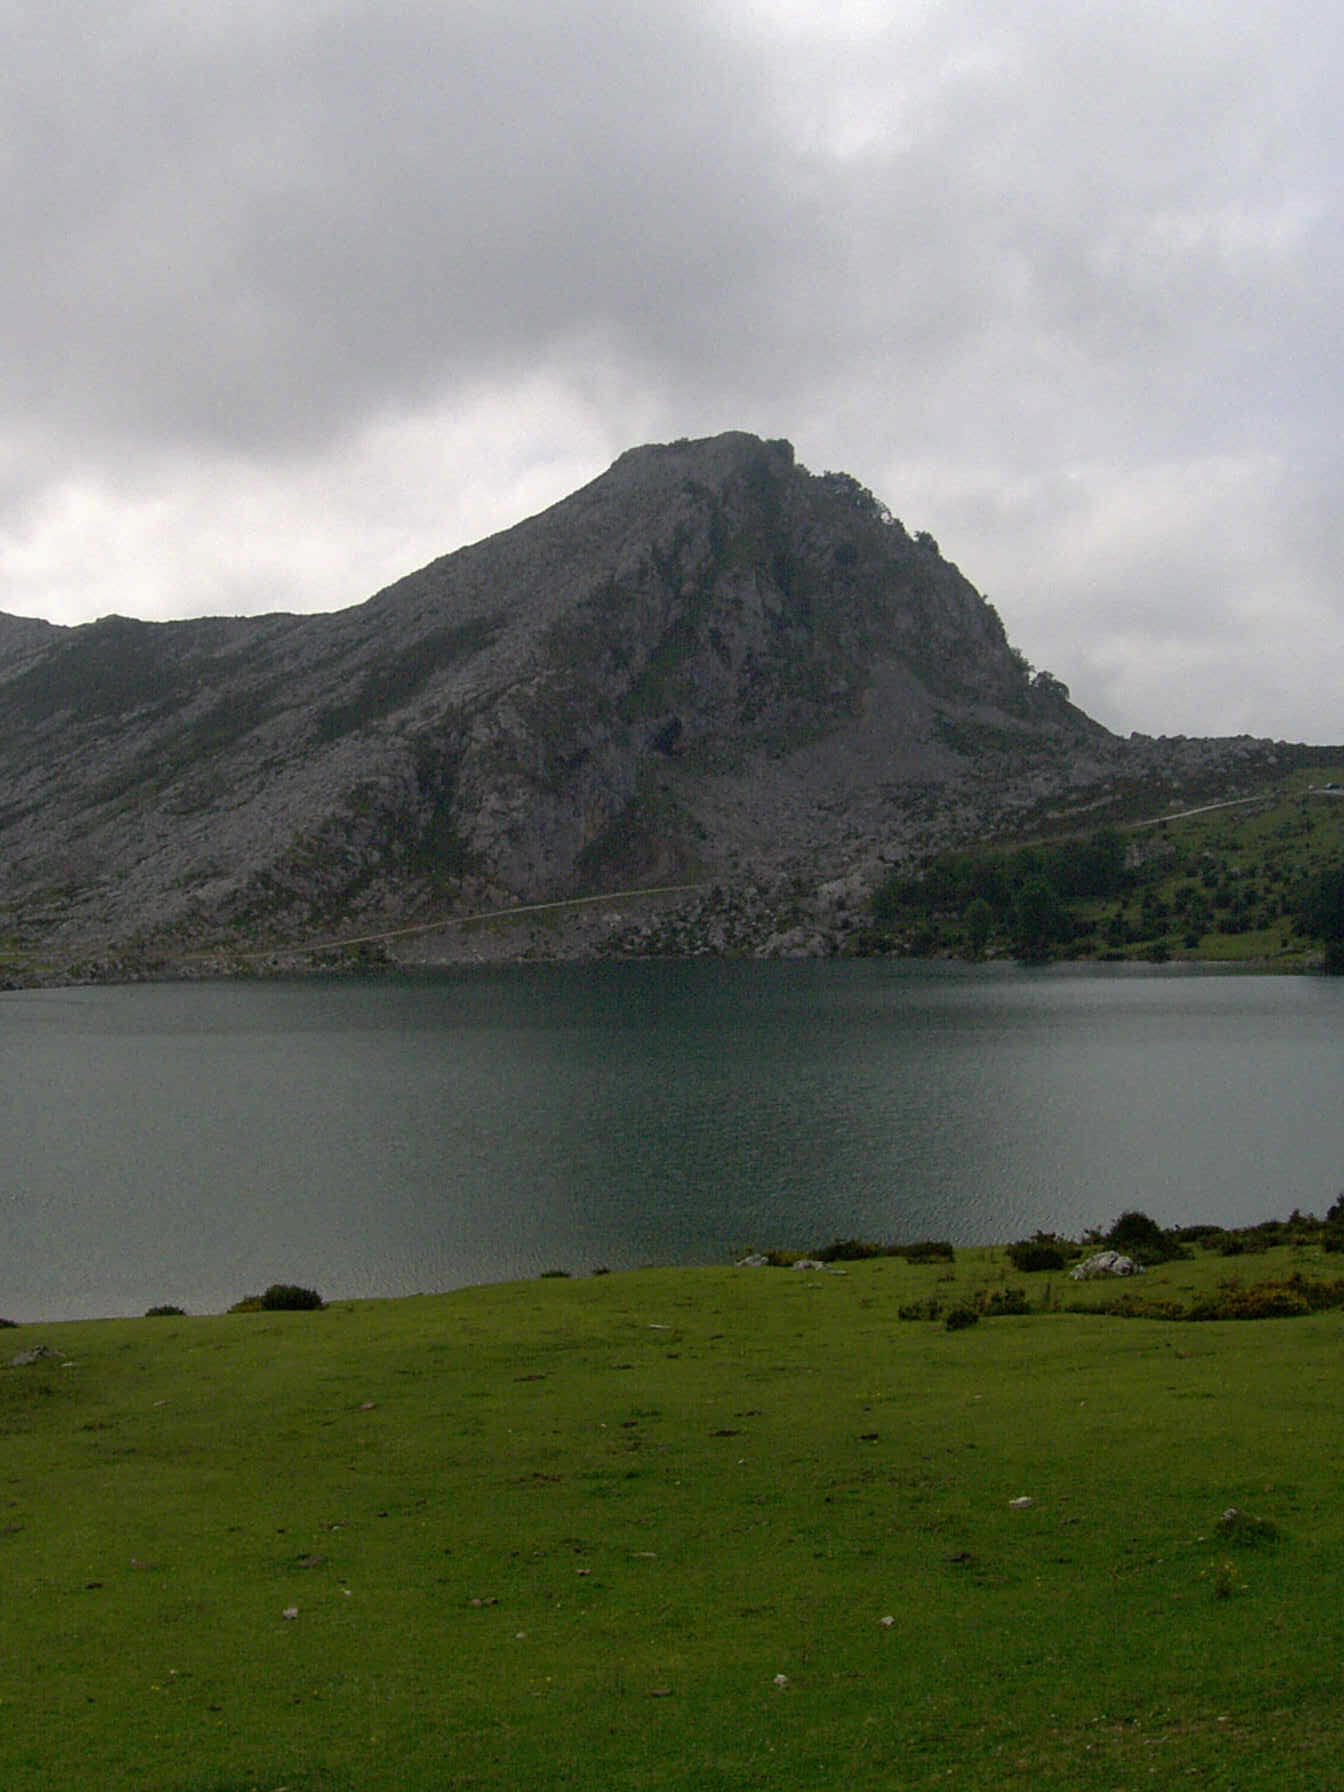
pixel 678 1529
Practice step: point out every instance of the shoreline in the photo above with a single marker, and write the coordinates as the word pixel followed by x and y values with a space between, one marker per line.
pixel 1241 1246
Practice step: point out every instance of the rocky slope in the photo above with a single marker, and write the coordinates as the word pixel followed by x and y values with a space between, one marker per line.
pixel 708 665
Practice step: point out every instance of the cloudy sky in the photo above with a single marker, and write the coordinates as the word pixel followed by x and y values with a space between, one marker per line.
pixel 299 295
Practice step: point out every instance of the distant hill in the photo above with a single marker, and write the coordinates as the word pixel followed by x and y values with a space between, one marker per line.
pixel 707 665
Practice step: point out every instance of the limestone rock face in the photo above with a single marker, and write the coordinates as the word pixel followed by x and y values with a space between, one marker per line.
pixel 709 663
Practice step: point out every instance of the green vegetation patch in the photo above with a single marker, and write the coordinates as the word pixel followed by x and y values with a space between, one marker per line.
pixel 1259 881
pixel 673 1529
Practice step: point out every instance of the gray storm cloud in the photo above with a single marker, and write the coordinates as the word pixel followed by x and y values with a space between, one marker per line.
pixel 300 296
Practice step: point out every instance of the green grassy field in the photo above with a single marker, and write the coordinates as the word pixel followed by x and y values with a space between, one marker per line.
pixel 677 1529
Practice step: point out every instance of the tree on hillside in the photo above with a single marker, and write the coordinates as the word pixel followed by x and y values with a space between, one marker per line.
pixel 1320 913
pixel 979 922
pixel 1038 919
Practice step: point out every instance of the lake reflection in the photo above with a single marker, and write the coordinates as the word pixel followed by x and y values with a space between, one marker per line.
pixel 191 1143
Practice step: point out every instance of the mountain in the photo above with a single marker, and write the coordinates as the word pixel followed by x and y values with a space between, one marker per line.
pixel 708 664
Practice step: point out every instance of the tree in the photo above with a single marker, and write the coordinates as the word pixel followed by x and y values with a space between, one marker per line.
pixel 1093 868
pixel 1038 918
pixel 979 923
pixel 1321 911
pixel 1321 914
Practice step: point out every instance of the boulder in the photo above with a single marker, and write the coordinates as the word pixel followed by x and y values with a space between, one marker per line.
pixel 1105 1263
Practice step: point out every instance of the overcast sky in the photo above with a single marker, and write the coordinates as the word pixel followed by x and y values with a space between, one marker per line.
pixel 300 295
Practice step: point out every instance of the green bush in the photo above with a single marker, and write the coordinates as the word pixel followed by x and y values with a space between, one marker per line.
pixel 853 1250
pixel 164 1313
pixel 287 1297
pixel 927 1250
pixel 1332 1232
pixel 1268 1300
pixel 1007 1301
pixel 1036 1253
pixel 1143 1239
pixel 959 1318
pixel 1288 1299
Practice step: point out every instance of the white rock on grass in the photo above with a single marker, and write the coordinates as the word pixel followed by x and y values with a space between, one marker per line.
pixel 1105 1263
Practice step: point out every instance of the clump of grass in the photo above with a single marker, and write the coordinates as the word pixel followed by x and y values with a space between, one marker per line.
pixel 1245 1529
pixel 1224 1579
pixel 984 1303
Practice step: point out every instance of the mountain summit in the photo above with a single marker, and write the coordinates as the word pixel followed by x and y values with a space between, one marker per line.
pixel 707 664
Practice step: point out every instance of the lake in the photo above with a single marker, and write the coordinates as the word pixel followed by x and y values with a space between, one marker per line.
pixel 191 1143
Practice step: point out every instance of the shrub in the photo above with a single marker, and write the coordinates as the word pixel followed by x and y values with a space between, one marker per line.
pixel 1245 1529
pixel 921 1309
pixel 1262 1300
pixel 1201 1234
pixel 286 1297
pixel 164 1313
pixel 852 1250
pixel 1007 1301
pixel 1129 1306
pixel 1269 1300
pixel 1143 1239
pixel 552 1275
pixel 927 1250
pixel 1036 1253
pixel 960 1317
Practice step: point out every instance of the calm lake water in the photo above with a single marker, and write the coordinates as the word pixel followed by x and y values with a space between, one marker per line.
pixel 192 1143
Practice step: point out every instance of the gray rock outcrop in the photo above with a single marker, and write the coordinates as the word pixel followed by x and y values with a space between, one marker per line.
pixel 1105 1263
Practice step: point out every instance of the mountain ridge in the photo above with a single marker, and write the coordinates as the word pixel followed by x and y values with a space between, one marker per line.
pixel 707 663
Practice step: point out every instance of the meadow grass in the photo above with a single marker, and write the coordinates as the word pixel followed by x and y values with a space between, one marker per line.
pixel 572 1533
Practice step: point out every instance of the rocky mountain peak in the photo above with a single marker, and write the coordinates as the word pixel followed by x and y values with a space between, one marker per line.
pixel 709 663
